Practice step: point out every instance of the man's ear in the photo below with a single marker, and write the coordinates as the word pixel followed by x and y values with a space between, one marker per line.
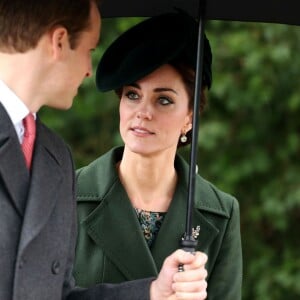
pixel 59 41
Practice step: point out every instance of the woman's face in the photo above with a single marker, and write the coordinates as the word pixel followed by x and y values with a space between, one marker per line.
pixel 154 112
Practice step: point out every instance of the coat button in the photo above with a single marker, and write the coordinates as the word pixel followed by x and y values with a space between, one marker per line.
pixel 55 267
pixel 21 263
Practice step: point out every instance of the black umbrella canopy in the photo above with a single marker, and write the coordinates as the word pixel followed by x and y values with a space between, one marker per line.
pixel 269 11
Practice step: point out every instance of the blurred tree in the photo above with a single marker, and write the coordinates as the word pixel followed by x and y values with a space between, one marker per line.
pixel 249 145
pixel 249 141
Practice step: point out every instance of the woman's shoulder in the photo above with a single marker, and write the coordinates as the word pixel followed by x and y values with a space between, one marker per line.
pixel 93 179
pixel 208 197
pixel 214 199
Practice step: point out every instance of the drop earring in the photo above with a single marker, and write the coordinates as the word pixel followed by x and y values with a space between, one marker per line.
pixel 183 138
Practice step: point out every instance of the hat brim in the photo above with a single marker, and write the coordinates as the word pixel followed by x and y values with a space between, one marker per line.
pixel 145 47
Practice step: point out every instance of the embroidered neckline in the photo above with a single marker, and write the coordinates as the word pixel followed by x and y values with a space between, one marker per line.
pixel 150 223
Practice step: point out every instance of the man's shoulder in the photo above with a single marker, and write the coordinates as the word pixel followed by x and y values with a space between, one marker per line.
pixel 53 142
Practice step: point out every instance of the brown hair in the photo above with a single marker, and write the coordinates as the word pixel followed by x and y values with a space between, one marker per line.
pixel 23 22
pixel 188 76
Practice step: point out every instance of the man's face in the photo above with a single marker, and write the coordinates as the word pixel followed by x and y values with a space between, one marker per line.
pixel 76 64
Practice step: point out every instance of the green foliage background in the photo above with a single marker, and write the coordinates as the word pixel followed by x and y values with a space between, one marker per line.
pixel 249 141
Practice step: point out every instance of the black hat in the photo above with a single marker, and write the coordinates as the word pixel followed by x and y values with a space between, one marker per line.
pixel 150 44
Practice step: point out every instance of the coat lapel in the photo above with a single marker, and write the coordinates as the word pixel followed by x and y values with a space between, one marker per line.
pixel 42 191
pixel 114 226
pixel 173 228
pixel 12 165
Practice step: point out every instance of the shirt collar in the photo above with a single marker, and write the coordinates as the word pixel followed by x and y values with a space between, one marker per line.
pixel 14 106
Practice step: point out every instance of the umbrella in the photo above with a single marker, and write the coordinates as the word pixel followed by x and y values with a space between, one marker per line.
pixel 269 11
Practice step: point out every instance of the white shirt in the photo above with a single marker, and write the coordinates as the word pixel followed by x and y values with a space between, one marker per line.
pixel 15 108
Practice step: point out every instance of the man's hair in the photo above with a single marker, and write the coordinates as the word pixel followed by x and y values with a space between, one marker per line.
pixel 24 22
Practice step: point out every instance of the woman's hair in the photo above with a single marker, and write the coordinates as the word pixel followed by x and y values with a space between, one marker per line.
pixel 188 76
pixel 23 22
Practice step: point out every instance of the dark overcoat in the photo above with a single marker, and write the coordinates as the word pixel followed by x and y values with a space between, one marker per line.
pixel 112 248
pixel 38 223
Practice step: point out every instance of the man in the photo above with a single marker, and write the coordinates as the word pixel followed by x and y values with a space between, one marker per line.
pixel 45 53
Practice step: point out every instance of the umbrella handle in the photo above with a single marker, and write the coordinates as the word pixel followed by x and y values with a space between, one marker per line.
pixel 188 244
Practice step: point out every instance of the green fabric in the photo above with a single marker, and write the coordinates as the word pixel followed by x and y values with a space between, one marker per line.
pixel 111 246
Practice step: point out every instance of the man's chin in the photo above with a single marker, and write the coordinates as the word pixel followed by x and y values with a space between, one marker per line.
pixel 63 106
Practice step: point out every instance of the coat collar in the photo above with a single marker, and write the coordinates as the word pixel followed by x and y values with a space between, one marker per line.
pixel 42 195
pixel 102 170
pixel 33 197
pixel 12 165
pixel 113 224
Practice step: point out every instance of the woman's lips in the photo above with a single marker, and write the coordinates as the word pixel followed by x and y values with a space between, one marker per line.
pixel 141 131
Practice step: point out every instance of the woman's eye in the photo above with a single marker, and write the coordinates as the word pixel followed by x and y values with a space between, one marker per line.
pixel 165 101
pixel 132 95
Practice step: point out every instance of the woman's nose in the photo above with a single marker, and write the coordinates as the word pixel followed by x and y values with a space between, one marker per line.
pixel 144 114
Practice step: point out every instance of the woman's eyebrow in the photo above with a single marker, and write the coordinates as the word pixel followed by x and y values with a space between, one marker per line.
pixel 157 90
pixel 135 85
pixel 165 90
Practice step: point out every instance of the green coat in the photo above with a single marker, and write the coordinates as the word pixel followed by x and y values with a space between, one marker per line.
pixel 112 248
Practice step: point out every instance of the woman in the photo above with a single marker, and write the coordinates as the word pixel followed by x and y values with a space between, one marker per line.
pixel 132 200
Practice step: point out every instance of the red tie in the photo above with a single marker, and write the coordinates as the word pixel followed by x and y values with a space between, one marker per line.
pixel 29 137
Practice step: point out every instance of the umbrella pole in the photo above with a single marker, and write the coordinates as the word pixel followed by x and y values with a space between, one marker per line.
pixel 188 242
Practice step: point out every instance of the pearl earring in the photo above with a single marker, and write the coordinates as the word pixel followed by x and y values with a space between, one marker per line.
pixel 183 138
